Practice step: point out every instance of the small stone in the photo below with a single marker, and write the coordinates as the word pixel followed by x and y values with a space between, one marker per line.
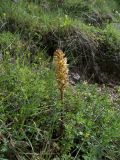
pixel 75 76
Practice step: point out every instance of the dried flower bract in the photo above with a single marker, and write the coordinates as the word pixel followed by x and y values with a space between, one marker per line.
pixel 61 70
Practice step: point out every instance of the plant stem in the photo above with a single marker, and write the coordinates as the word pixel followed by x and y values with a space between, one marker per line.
pixel 62 96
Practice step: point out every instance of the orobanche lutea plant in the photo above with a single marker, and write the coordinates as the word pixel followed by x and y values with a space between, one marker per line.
pixel 61 67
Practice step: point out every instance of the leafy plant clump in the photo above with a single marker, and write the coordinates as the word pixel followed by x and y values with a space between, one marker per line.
pixel 31 111
pixel 34 124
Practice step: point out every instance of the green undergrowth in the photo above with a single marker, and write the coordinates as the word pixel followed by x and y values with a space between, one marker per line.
pixel 9 41
pixel 112 36
pixel 30 116
pixel 90 38
pixel 46 15
pixel 34 125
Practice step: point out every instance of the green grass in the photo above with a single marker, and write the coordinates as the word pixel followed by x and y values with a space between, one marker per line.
pixel 31 111
pixel 9 40
pixel 31 126
pixel 112 36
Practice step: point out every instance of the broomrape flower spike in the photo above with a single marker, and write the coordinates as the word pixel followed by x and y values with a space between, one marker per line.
pixel 61 71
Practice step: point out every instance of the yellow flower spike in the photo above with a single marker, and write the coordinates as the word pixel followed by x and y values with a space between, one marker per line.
pixel 61 71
